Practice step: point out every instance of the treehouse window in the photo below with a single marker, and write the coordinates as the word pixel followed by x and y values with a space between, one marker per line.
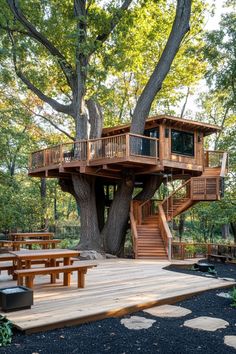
pixel 182 143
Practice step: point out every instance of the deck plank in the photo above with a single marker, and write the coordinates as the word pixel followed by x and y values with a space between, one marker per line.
pixel 114 288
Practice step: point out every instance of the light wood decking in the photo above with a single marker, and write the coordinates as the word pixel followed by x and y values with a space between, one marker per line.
pixel 114 288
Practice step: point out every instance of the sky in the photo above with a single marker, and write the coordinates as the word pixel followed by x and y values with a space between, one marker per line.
pixel 213 22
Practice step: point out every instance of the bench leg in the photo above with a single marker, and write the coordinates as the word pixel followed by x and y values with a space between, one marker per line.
pixel 53 276
pixel 29 281
pixel 66 279
pixel 20 281
pixel 81 278
pixel 67 276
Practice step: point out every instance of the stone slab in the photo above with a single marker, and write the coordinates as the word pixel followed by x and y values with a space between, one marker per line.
pixel 137 322
pixel 206 323
pixel 230 341
pixel 168 311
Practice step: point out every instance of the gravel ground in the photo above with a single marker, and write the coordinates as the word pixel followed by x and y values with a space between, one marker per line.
pixel 167 335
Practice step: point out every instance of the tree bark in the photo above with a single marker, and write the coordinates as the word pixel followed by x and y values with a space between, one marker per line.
pixel 100 203
pixel 179 29
pixel 116 224
pixel 84 187
pixel 151 184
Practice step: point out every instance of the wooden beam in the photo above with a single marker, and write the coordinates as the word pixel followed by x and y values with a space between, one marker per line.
pixel 94 171
pixel 150 169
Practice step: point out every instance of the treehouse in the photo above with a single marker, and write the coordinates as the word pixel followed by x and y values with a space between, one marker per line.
pixel 171 147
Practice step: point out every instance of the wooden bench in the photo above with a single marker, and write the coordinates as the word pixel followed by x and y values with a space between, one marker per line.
pixel 8 259
pixel 218 257
pixel 29 274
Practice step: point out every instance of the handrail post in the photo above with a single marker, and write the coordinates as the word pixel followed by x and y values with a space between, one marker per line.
pixel 169 249
pixel 127 144
pixel 61 155
pixel 88 151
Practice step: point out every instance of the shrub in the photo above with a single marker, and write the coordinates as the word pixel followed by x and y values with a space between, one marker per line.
pixel 233 297
pixel 5 331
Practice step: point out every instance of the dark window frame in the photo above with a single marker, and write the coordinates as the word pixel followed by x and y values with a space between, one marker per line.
pixel 182 134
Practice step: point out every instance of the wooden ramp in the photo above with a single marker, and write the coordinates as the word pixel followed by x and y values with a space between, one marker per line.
pixel 114 288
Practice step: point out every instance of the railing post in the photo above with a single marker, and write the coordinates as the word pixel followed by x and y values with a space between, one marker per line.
pixel 169 249
pixel 127 143
pixel 88 151
pixel 44 157
pixel 156 142
pixel 61 155
pixel 206 164
pixel 182 250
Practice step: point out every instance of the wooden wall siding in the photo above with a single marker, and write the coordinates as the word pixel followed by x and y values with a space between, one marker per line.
pixel 165 148
pixel 205 188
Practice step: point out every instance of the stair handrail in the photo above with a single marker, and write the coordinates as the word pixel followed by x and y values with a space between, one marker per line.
pixel 165 231
pixel 176 190
pixel 140 207
pixel 170 197
pixel 224 163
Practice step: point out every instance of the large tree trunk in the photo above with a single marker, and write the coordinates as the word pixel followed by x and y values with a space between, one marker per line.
pixel 115 228
pixel 100 203
pixel 84 187
pixel 151 185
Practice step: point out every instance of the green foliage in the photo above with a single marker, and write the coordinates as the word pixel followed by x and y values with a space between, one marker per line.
pixel 233 297
pixel 5 331
pixel 68 243
pixel 212 271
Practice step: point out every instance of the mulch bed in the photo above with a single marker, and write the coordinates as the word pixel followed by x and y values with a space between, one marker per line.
pixel 167 335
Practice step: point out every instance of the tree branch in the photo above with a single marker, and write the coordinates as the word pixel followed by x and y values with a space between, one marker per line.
pixel 32 32
pixel 49 121
pixel 179 29
pixel 102 37
pixel 67 109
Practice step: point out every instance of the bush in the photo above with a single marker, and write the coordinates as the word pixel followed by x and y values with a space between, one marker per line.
pixel 5 331
pixel 233 297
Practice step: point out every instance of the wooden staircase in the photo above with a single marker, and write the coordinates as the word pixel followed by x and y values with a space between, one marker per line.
pixel 149 220
pixel 150 243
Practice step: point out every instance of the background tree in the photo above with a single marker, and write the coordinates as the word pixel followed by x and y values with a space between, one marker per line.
pixel 79 39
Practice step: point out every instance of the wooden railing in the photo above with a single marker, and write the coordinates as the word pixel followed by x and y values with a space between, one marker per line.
pixel 165 231
pixel 184 250
pixel 115 147
pixel 145 209
pixel 175 200
pixel 214 158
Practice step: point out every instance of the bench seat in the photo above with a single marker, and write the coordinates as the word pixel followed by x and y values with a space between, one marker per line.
pixel 29 274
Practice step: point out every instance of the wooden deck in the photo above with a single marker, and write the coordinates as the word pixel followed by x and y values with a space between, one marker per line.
pixel 114 288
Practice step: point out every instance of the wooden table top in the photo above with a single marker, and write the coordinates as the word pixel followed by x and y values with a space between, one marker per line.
pixel 48 253
pixel 31 234
pixel 35 241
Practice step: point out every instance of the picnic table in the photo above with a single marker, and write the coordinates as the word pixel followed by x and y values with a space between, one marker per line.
pixel 29 242
pixel 27 235
pixel 24 259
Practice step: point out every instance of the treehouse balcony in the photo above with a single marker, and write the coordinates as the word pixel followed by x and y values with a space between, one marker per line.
pixel 107 157
pixel 92 156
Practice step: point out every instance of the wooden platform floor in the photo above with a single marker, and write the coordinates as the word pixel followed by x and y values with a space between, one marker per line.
pixel 114 288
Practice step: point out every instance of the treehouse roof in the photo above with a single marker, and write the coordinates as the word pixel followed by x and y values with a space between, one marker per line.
pixel 174 122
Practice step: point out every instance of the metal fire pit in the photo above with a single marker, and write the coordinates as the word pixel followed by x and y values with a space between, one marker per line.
pixel 15 298
pixel 204 267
